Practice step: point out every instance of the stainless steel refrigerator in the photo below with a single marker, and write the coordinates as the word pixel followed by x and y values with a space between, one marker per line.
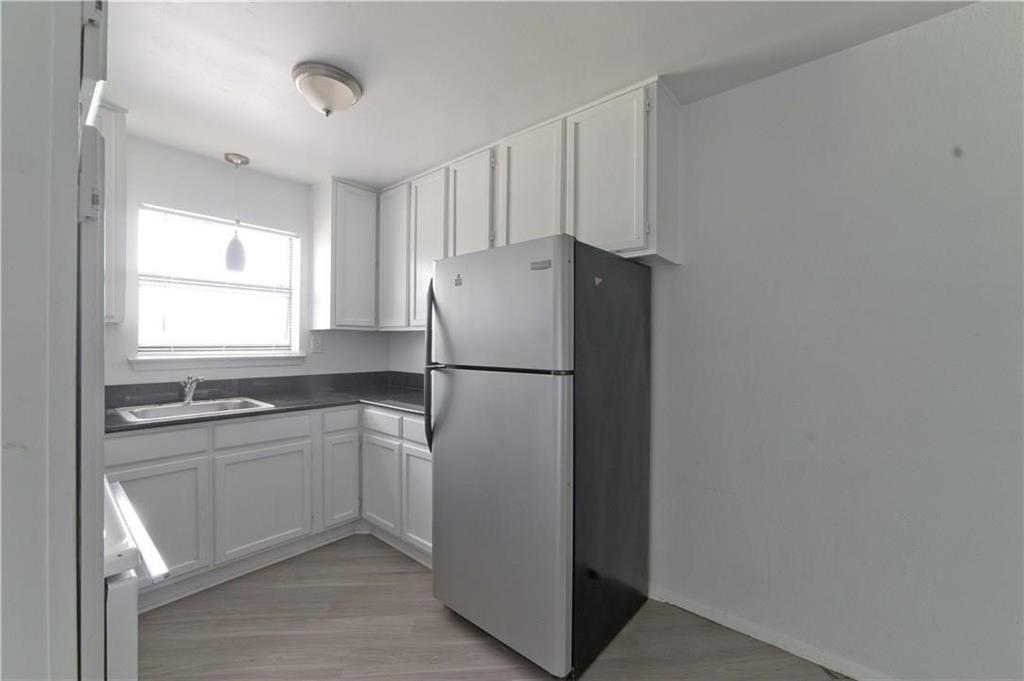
pixel 538 415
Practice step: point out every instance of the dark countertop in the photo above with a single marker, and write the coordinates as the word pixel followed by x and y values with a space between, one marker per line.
pixel 286 396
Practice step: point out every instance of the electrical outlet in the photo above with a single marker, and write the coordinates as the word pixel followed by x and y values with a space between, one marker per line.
pixel 316 343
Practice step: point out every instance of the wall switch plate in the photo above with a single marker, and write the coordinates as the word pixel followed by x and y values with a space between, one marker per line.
pixel 316 343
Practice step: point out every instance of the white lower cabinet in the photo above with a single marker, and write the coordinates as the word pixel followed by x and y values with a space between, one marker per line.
pixel 382 500
pixel 262 498
pixel 211 494
pixel 417 496
pixel 173 501
pixel 341 478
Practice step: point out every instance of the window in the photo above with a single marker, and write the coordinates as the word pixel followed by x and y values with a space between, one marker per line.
pixel 190 303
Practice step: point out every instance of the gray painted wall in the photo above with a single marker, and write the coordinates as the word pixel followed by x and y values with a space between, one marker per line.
pixel 838 363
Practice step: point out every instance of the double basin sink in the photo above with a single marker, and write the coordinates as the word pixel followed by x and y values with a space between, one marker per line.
pixel 184 410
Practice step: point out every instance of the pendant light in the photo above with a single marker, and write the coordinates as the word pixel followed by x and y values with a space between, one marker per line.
pixel 234 258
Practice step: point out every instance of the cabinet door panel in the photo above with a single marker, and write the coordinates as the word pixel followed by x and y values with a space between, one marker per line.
pixel 471 203
pixel 355 256
pixel 386 422
pixel 605 197
pixel 341 478
pixel 173 502
pixel 418 500
pixel 111 122
pixel 531 183
pixel 262 498
pixel 427 237
pixel 381 480
pixel 394 258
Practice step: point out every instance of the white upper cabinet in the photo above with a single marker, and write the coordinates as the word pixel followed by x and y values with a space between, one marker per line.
pixel 471 197
pixel 111 123
pixel 606 173
pixel 531 168
pixel 345 257
pixel 426 238
pixel 394 258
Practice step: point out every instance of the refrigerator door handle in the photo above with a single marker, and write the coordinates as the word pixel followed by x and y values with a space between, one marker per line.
pixel 429 367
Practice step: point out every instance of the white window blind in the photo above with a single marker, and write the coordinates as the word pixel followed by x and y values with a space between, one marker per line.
pixel 190 303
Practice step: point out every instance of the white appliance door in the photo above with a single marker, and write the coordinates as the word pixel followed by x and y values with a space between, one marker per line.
pixel 122 641
pixel 90 403
pixel 508 307
pixel 502 507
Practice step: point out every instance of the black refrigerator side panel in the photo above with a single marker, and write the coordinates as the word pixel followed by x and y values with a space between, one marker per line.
pixel 611 449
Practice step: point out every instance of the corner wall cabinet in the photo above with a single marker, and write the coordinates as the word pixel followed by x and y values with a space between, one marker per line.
pixel 230 496
pixel 394 258
pixel 344 257
pixel 110 120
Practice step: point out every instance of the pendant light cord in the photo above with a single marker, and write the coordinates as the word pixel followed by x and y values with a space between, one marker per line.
pixel 236 198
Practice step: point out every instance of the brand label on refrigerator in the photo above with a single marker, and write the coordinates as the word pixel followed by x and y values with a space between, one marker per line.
pixel 540 265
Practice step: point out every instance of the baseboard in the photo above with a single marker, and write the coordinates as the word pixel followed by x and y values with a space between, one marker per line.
pixel 768 635
pixel 420 557
pixel 168 592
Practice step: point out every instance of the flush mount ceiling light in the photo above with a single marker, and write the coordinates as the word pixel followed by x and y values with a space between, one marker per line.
pixel 326 88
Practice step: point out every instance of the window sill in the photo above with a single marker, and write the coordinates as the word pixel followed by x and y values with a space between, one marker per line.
pixel 156 362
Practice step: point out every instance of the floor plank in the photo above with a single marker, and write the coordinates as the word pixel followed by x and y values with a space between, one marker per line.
pixel 357 610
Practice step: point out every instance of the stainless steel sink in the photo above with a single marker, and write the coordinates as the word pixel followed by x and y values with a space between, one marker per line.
pixel 186 410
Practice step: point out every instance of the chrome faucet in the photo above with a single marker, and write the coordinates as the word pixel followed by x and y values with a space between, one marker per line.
pixel 189 387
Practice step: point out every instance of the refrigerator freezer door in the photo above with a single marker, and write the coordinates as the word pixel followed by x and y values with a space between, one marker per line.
pixel 502 507
pixel 508 307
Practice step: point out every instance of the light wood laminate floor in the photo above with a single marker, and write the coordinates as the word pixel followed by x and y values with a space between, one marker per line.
pixel 358 609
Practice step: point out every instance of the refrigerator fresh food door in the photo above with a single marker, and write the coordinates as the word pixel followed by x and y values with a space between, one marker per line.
pixel 508 307
pixel 502 507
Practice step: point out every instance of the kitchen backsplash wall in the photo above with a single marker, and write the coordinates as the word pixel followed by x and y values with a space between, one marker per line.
pixel 405 351
pixel 263 387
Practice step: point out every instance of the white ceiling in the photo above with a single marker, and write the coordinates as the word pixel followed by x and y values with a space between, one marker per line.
pixel 440 79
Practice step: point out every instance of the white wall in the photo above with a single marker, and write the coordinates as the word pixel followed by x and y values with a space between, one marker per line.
pixel 405 351
pixel 838 365
pixel 172 178
pixel 40 73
